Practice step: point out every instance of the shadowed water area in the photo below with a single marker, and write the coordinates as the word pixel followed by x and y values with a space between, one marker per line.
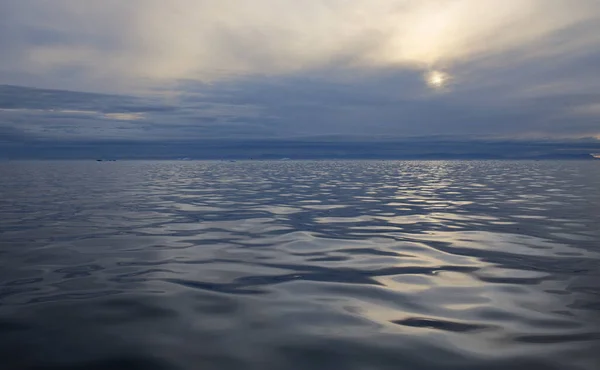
pixel 300 265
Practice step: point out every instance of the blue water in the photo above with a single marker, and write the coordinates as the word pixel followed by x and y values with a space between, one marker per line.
pixel 300 265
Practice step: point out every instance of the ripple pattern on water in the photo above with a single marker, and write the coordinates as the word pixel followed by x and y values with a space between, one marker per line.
pixel 297 265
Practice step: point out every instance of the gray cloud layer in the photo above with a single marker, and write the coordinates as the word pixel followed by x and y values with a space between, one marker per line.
pixel 283 68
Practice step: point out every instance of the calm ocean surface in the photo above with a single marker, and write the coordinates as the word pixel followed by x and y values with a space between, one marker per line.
pixel 300 265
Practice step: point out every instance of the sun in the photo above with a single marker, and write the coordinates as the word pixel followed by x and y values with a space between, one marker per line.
pixel 437 79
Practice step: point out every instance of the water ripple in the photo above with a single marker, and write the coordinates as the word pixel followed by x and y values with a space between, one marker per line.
pixel 296 265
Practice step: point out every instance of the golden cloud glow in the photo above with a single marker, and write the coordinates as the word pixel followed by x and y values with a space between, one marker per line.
pixel 124 116
pixel 437 79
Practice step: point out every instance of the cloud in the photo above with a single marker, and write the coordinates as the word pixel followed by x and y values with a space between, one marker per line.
pixel 71 112
pixel 208 40
pixel 588 110
pixel 198 69
pixel 57 114
pixel 125 116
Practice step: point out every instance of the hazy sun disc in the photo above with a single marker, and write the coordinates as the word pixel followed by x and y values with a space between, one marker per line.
pixel 436 79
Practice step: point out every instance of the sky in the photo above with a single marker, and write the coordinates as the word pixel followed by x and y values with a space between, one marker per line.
pixel 369 70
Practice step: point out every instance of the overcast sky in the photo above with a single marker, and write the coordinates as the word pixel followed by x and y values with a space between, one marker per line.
pixel 197 69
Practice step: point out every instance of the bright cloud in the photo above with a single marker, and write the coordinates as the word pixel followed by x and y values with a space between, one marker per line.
pixel 289 68
pixel 208 39
pixel 125 116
